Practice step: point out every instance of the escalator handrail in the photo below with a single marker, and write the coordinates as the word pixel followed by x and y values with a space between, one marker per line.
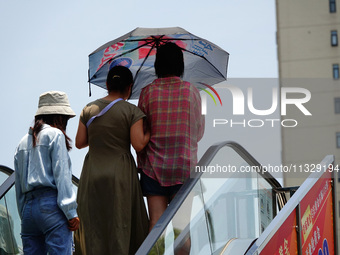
pixel 7 185
pixel 6 170
pixel 9 182
pixel 244 154
pixel 191 182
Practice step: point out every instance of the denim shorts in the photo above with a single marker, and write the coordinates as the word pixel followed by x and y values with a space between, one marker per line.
pixel 44 227
pixel 151 187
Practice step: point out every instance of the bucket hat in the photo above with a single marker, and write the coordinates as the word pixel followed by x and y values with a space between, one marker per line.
pixel 54 102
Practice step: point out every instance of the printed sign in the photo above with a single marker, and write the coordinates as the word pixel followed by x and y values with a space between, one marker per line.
pixel 317 235
pixel 284 240
pixel 316 220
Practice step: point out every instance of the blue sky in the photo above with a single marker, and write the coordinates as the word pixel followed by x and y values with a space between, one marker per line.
pixel 45 46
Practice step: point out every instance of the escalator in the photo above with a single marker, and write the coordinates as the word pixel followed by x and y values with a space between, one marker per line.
pixel 219 210
pixel 10 223
pixel 230 205
pixel 10 240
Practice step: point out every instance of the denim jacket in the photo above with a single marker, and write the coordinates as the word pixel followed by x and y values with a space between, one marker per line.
pixel 45 165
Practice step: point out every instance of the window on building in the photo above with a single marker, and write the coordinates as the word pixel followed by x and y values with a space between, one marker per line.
pixel 338 139
pixel 332 6
pixel 334 38
pixel 335 71
pixel 337 105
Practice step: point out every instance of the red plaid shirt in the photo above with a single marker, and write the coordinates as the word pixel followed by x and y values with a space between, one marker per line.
pixel 173 110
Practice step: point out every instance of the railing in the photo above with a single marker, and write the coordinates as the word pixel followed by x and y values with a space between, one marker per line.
pixel 7 179
pixel 213 209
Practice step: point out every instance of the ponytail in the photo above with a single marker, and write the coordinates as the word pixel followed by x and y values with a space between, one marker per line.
pixel 36 129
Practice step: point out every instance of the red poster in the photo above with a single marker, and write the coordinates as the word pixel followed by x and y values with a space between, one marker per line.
pixel 284 240
pixel 317 235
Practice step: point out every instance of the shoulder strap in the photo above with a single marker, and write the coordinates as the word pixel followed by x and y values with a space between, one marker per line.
pixel 102 111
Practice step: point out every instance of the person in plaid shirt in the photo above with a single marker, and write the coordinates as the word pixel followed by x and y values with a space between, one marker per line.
pixel 173 110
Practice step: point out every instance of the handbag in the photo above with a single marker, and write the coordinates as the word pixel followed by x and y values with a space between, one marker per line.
pixel 103 111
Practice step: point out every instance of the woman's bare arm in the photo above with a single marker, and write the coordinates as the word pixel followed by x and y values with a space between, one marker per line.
pixel 138 138
pixel 81 137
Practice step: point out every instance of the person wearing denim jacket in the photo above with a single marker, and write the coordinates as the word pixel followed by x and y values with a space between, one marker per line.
pixel 43 180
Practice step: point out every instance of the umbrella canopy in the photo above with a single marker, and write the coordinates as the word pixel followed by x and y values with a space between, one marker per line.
pixel 204 62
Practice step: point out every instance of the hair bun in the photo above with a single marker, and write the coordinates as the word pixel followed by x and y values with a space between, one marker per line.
pixel 119 79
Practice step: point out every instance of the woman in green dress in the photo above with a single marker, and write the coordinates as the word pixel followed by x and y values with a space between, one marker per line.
pixel 110 202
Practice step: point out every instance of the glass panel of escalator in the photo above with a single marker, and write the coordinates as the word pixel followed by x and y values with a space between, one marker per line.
pixel 265 195
pixel 187 231
pixel 3 177
pixel 10 222
pixel 10 240
pixel 230 199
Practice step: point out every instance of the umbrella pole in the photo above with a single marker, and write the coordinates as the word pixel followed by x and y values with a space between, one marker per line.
pixel 88 75
pixel 152 47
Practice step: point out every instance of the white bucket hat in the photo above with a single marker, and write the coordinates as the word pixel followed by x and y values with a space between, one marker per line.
pixel 54 102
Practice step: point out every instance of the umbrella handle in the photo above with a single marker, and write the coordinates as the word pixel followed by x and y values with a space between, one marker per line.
pixel 88 75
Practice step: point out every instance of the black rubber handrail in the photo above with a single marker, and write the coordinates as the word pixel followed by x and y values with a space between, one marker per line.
pixel 7 185
pixel 9 182
pixel 182 194
pixel 6 170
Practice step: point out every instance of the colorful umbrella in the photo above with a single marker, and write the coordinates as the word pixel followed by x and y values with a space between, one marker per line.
pixel 204 62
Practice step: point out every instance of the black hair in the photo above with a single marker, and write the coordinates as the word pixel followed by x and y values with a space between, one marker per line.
pixel 54 120
pixel 169 60
pixel 119 79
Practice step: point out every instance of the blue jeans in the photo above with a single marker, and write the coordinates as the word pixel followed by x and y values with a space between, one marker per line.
pixel 44 227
